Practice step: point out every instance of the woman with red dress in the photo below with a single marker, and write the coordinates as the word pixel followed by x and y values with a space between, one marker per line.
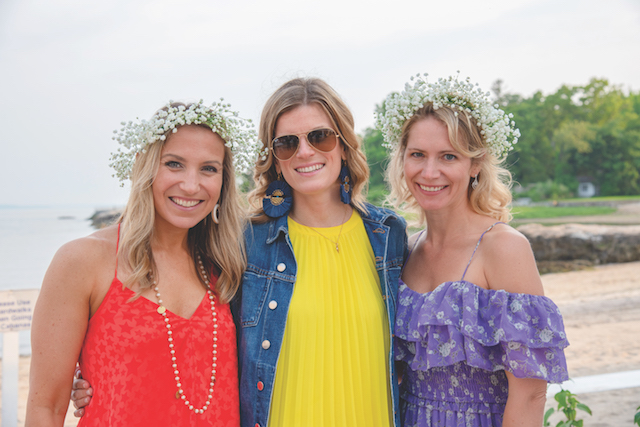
pixel 143 304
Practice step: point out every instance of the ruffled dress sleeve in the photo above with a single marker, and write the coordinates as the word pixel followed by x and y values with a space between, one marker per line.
pixel 488 329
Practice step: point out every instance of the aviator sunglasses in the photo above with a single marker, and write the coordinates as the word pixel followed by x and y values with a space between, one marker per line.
pixel 323 140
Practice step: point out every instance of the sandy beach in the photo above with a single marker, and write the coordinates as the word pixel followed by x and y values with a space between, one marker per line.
pixel 601 309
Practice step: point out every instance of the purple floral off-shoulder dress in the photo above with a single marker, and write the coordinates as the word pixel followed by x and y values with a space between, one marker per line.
pixel 456 343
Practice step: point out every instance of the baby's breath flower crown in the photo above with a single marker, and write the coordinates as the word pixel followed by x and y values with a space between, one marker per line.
pixel 237 133
pixel 496 127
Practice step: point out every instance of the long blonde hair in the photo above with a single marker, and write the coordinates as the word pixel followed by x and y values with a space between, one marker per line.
pixel 220 246
pixel 491 197
pixel 292 94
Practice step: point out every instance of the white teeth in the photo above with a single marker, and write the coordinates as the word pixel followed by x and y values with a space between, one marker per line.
pixel 425 188
pixel 310 168
pixel 185 203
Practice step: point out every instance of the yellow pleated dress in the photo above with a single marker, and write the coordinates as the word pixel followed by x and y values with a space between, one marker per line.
pixel 332 369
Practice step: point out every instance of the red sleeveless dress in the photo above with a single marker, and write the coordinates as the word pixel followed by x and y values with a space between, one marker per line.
pixel 125 357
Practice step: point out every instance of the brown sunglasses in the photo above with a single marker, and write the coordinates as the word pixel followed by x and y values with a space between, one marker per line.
pixel 323 140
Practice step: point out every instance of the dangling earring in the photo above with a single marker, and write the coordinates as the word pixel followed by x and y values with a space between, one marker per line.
pixel 215 215
pixel 277 201
pixel 345 184
pixel 474 184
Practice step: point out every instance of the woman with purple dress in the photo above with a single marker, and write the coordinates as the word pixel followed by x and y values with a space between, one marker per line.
pixel 476 338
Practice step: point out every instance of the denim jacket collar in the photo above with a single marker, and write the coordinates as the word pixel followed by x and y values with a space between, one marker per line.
pixel 280 225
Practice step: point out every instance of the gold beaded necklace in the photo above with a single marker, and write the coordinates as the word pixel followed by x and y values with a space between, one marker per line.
pixel 174 362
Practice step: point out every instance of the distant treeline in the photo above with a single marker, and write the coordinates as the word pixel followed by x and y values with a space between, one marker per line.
pixel 590 132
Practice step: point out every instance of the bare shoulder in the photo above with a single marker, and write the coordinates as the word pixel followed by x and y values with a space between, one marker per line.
pixel 82 263
pixel 504 240
pixel 509 261
pixel 93 247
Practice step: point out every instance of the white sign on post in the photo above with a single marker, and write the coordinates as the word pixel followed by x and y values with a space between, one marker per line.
pixel 16 309
pixel 16 312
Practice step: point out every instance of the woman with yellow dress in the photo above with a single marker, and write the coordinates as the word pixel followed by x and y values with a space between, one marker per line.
pixel 318 298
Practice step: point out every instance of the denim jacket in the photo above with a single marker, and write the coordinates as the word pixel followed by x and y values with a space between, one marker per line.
pixel 261 306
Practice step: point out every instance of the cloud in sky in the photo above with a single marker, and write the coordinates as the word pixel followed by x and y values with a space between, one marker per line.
pixel 72 70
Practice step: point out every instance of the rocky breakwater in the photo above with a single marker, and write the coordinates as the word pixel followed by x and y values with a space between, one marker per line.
pixel 571 246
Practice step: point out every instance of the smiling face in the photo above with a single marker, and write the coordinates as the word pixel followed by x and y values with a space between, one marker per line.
pixel 436 174
pixel 309 172
pixel 189 179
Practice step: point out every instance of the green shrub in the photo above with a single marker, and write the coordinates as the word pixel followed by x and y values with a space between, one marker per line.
pixel 547 190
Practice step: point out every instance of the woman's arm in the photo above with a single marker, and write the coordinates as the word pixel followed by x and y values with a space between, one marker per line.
pixel 510 265
pixel 59 325
pixel 525 404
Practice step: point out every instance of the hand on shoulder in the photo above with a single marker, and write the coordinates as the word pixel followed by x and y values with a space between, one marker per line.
pixel 509 263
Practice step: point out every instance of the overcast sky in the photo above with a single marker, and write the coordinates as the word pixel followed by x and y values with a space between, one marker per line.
pixel 72 70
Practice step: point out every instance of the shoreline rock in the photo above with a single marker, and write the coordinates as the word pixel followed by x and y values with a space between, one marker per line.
pixel 104 218
pixel 596 244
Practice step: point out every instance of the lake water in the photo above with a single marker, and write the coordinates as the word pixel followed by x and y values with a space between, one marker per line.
pixel 29 238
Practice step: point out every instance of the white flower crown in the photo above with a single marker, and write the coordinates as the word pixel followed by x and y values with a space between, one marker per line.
pixel 237 133
pixel 496 127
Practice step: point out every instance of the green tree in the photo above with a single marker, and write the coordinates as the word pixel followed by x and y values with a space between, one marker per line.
pixel 613 155
pixel 614 159
pixel 589 130
pixel 534 157
pixel 572 136
pixel 377 158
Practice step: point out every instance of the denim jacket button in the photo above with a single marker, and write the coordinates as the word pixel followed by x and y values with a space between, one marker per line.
pixel 260 386
pixel 281 267
pixel 266 344
pixel 273 305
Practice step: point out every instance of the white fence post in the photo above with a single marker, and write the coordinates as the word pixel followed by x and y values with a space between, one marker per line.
pixel 16 313
pixel 10 357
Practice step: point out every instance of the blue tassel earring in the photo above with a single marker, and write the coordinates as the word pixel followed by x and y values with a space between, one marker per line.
pixel 277 201
pixel 345 184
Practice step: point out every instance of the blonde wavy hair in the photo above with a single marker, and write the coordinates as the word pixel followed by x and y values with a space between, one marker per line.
pixel 292 94
pixel 220 246
pixel 491 197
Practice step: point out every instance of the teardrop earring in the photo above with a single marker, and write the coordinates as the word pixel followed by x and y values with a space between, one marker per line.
pixel 277 201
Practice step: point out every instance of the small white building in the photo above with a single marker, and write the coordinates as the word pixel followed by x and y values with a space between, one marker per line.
pixel 586 187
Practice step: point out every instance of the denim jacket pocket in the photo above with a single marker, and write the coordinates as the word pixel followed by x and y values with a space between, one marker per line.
pixel 254 293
